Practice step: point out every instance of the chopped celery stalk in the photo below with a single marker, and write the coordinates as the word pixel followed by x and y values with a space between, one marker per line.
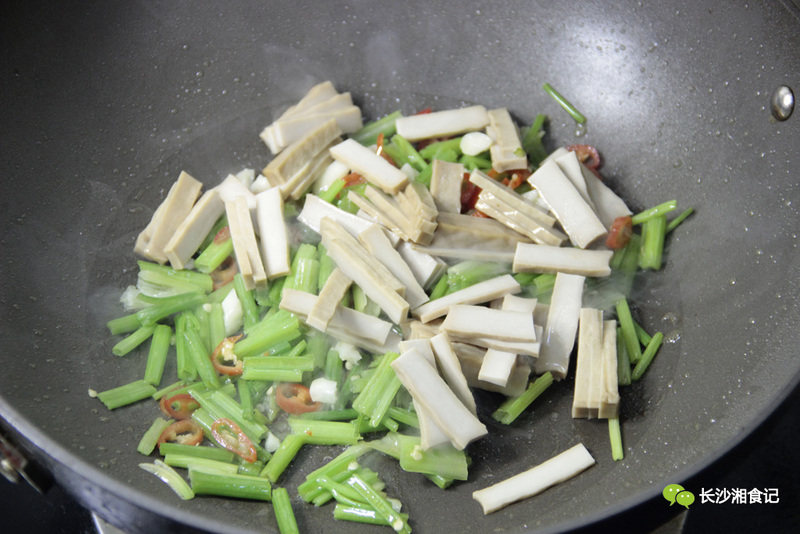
pixel 216 325
pixel 183 281
pixel 475 162
pixel 324 432
pixel 304 252
pixel 170 477
pixel 647 356
pixel 200 357
pixel 253 469
pixel 283 456
pixel 214 255
pixel 173 389
pixel 139 336
pixel 189 462
pixel 126 394
pixel 440 289
pixel 326 266
pixel 434 150
pixel 532 141
pixel 169 305
pixel 615 437
pixel 247 301
pixel 360 514
pixel 655 211
pixel 643 337
pixel 306 275
pixel 379 392
pixel 362 303
pixel 269 332
pixel 405 417
pixel 221 223
pixel 245 398
pixel 233 411
pixel 625 319
pixel 203 417
pixel 341 492
pixel 309 489
pixel 282 507
pixel 564 103
pixel 148 442
pixel 623 362
pixel 277 368
pixel 124 324
pixel 508 412
pixel 653 232
pixel 210 453
pixel 470 272
pixel 186 369
pixel 334 367
pixel 679 219
pixel 346 414
pixel 410 154
pixel 157 356
pixel 219 294
pixel 330 193
pixel 443 460
pixel 368 134
pixel 236 486
pixel 380 503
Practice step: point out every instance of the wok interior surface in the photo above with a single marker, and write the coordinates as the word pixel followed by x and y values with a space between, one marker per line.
pixel 104 105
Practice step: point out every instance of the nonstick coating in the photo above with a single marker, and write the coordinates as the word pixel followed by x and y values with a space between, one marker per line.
pixel 104 103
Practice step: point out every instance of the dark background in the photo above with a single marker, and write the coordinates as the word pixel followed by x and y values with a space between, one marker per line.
pixel 766 459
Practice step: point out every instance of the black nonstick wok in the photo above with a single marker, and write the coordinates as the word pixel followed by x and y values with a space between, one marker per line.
pixel 104 103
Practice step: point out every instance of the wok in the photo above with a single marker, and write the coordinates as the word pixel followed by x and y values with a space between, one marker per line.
pixel 105 103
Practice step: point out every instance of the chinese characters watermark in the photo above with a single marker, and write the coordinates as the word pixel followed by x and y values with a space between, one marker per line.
pixel 675 493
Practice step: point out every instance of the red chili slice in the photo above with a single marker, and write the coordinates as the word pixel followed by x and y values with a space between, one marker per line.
pixel 223 235
pixel 469 194
pixel 224 360
pixel 424 111
pixel 620 232
pixel 178 406
pixel 353 179
pixel 295 398
pixel 230 436
pixel 588 155
pixel 185 432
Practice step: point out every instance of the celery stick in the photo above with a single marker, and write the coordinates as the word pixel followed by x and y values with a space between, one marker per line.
pixel 368 134
pixel 377 395
pixel 623 362
pixel 435 150
pixel 169 305
pixel 267 333
pixel 444 460
pixel 126 394
pixel 282 507
pixel 149 439
pixel 403 416
pixel 508 412
pixel 216 325
pixel 440 289
pixel 679 219
pixel 647 356
pixel 200 357
pixel 277 368
pixel 410 154
pixel 170 477
pixel 213 255
pixel 324 432
pixel 345 414
pixel 211 453
pixel 615 437
pixel 564 103
pixel 283 456
pixel 326 266
pixel 625 319
pixel 380 503
pixel 248 302
pixel 330 192
pixel 221 223
pixel 188 462
pixel 184 281
pixel 139 336
pixel 655 211
pixel 532 141
pixel 475 162
pixel 643 337
pixel 653 233
pixel 237 486
pixel 124 324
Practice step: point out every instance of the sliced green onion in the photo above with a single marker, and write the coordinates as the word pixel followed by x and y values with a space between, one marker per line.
pixel 647 356
pixel 170 477
pixel 508 412
pixel 127 394
pixel 236 486
pixel 148 442
pixel 564 103
pixel 615 436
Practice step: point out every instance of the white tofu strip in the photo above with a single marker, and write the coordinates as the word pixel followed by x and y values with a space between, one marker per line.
pixel 351 262
pixel 450 369
pixel 608 205
pixel 332 230
pixel 194 229
pixel 520 222
pixel 378 244
pixel 587 365
pixel 167 218
pixel 413 329
pixel 511 198
pixel 571 167
pixel 471 359
pixel 446 180
pixel 548 259
pixel 332 172
pixel 442 123
pixel 531 349
pixel 426 268
pixel 273 232
pixel 609 398
pixel 317 94
pixel 421 345
pixel 431 391
pixel 231 187
pixel 389 213
pixel 347 117
pixel 356 324
pixel 466 228
pixel 380 217
pixel 506 151
pixel 245 246
pixel 497 256
pixel 293 158
pixel 535 480
pixel 497 364
pixel 301 181
pixel 575 215
pixel 315 209
pixel 467 321
pixel 475 294
pixel 370 165
pixel 328 300
pixel 562 324
pixel 430 435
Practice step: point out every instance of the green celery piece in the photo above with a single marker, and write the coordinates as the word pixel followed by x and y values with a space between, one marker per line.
pixel 564 103
pixel 284 515
pixel 236 486
pixel 368 134
pixel 126 394
pixel 508 412
pixel 147 443
pixel 139 336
